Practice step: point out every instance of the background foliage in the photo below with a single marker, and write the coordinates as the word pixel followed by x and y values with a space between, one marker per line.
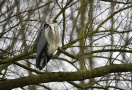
pixel 94 53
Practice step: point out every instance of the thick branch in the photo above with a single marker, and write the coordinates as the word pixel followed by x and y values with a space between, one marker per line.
pixel 64 76
pixel 18 57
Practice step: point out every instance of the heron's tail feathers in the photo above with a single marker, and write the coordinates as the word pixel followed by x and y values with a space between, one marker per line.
pixel 42 61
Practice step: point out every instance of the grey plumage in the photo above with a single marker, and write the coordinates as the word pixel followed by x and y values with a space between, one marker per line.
pixel 46 43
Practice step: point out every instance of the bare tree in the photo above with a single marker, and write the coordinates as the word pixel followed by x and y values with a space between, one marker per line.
pixel 94 53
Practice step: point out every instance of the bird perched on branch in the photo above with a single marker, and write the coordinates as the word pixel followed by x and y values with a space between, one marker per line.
pixel 46 43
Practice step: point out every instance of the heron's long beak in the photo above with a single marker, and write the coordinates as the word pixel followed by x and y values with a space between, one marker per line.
pixel 49 23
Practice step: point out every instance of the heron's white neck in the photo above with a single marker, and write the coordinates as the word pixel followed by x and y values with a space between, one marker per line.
pixel 53 37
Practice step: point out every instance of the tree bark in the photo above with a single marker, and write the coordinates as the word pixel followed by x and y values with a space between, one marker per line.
pixel 64 76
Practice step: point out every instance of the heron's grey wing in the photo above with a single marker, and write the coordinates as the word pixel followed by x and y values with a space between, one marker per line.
pixel 41 40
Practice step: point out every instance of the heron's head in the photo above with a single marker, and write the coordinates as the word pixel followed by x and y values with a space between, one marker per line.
pixel 52 23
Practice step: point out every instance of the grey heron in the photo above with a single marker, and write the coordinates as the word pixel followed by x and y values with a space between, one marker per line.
pixel 46 43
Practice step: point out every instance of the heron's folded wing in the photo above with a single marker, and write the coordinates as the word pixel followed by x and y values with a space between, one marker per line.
pixel 41 40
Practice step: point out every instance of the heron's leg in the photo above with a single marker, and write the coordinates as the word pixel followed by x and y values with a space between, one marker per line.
pixel 47 69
